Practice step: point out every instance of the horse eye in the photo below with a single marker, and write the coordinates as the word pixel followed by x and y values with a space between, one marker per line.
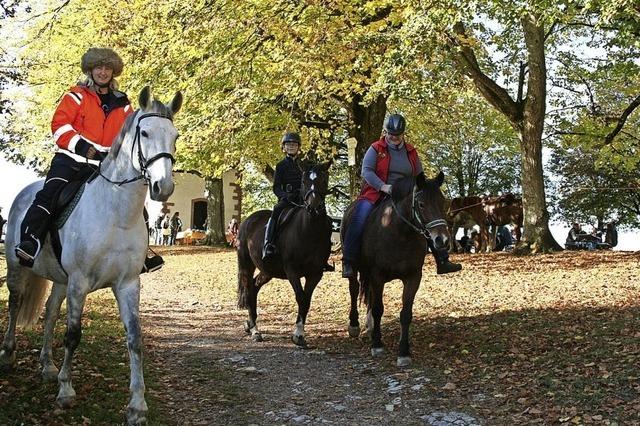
pixel 144 133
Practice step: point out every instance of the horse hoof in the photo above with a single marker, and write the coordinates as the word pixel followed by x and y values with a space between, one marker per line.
pixel 66 401
pixel 247 327
pixel 7 361
pixel 354 331
pixel 377 352
pixel 299 340
pixel 257 337
pixel 136 417
pixel 404 361
pixel 49 374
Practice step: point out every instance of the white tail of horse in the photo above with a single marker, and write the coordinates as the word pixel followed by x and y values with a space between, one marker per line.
pixel 35 291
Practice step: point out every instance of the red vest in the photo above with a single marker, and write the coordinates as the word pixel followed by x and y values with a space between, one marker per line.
pixel 382 167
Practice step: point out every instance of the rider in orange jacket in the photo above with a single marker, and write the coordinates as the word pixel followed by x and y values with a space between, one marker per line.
pixel 84 125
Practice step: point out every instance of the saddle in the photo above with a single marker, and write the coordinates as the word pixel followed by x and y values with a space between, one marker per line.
pixel 65 201
pixel 285 217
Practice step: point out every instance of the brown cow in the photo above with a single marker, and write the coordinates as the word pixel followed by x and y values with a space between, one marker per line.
pixel 466 212
pixel 503 210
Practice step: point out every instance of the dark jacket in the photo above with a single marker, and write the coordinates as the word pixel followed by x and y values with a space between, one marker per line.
pixel 287 179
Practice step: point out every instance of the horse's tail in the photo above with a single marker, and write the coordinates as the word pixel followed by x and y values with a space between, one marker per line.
pixel 245 274
pixel 364 290
pixel 34 292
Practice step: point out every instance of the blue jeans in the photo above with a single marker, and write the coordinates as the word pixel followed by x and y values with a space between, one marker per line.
pixel 353 236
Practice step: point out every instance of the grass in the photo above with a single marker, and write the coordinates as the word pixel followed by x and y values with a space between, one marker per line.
pixel 100 372
pixel 547 339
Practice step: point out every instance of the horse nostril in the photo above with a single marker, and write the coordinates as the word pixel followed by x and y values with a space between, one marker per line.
pixel 438 241
pixel 155 188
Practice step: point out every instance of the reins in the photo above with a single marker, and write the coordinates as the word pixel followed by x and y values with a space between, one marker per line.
pixel 423 228
pixel 144 163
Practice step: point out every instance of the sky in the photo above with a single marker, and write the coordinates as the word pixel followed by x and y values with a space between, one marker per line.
pixel 13 178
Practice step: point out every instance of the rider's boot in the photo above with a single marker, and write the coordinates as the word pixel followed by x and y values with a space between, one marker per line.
pixel 152 263
pixel 269 247
pixel 33 229
pixel 443 265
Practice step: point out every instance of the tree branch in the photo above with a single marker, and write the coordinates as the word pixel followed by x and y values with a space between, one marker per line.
pixel 622 120
pixel 492 92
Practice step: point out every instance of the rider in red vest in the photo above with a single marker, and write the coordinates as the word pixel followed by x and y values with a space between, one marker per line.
pixel 84 125
pixel 388 160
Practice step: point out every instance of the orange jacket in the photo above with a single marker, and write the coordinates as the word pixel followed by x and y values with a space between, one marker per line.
pixel 80 115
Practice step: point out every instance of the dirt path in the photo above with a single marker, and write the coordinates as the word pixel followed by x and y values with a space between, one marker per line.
pixel 215 374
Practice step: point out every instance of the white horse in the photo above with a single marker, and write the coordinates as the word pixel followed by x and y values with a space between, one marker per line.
pixel 142 155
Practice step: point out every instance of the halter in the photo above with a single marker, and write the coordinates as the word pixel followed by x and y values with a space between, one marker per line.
pixel 144 163
pixel 422 228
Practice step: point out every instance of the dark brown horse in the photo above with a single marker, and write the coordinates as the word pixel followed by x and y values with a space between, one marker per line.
pixel 303 246
pixel 394 245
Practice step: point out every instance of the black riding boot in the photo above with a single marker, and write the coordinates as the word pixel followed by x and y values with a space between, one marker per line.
pixel 33 231
pixel 443 265
pixel 269 248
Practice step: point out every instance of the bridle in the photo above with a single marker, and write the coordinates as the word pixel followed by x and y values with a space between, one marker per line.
pixel 320 209
pixel 422 228
pixel 144 162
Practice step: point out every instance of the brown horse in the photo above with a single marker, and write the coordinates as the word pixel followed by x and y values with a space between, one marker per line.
pixel 303 247
pixel 503 210
pixel 466 212
pixel 394 245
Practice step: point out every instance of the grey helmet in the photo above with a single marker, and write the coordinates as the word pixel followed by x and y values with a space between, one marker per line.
pixel 395 124
pixel 291 137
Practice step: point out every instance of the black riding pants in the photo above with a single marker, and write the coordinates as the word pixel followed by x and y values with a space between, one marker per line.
pixel 37 219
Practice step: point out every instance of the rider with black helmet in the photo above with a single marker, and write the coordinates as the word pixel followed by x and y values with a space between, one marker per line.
pixel 287 181
pixel 387 160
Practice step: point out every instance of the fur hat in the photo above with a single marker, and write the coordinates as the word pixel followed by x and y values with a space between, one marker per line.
pixel 101 56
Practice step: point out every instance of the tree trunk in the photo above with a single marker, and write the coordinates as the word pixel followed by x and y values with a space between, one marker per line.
pixel 527 118
pixel 368 121
pixel 215 212
pixel 537 236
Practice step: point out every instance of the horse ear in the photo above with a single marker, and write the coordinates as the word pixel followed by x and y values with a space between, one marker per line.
pixel 421 180
pixel 145 98
pixel 440 178
pixel 176 103
pixel 325 166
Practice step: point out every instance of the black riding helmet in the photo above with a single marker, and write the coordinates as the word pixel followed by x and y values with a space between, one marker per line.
pixel 395 124
pixel 291 137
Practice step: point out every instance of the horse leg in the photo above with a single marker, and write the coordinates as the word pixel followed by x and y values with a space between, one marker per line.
pixel 76 298
pixel 251 326
pixel 409 291
pixel 128 297
pixel 377 309
pixel 354 324
pixel 16 281
pixel 49 369
pixel 303 306
pixel 310 284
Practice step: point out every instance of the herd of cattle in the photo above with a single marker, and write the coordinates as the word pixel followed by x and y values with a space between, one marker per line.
pixel 488 213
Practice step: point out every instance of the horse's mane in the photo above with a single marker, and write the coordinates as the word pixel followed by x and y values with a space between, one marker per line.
pixel 156 107
pixel 402 188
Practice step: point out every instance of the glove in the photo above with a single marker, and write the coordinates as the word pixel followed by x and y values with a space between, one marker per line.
pixel 99 155
pixel 386 188
pixel 85 149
